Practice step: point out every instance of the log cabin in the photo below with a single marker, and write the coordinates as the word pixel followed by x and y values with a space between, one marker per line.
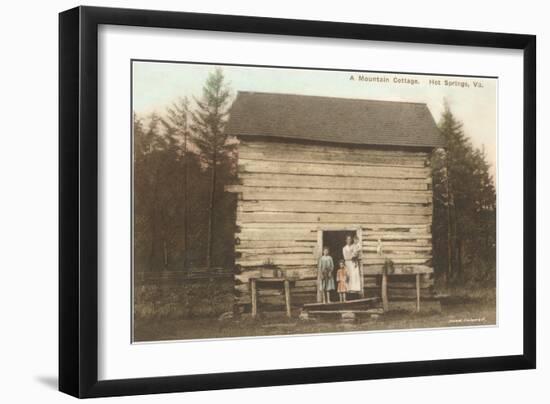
pixel 312 170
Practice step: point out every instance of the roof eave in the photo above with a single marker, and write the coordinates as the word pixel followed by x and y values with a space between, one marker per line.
pixel 303 139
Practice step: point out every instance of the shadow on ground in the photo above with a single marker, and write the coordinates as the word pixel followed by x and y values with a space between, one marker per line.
pixel 48 381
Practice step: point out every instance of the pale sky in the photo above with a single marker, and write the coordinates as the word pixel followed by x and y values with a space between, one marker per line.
pixel 156 85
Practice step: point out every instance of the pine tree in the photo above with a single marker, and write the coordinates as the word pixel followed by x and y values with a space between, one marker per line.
pixel 157 194
pixel 464 204
pixel 208 123
pixel 177 123
pixel 152 144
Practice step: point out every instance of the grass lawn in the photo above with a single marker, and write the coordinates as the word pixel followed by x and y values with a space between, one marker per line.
pixel 473 308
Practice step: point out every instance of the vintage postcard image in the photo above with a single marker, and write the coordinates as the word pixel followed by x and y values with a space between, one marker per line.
pixel 286 201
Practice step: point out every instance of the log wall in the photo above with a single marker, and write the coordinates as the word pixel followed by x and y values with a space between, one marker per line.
pixel 289 193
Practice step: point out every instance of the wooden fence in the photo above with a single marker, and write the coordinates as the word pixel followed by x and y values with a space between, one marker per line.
pixel 198 274
pixel 182 294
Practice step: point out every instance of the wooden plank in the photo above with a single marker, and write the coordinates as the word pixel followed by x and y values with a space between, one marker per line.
pixel 303 252
pixel 393 284
pixel 369 228
pixel 276 167
pixel 254 297
pixel 268 292
pixel 359 234
pixel 396 254
pixel 397 260
pixel 267 251
pixel 384 291
pixel 395 257
pixel 297 272
pixel 367 311
pixel 287 298
pixel 254 243
pixel 283 260
pixel 305 283
pixel 297 194
pixel 243 289
pixel 333 158
pixel 270 302
pixel 319 246
pixel 308 289
pixel 245 276
pixel 392 236
pixel 288 232
pixel 259 256
pixel 376 269
pixel 309 259
pixel 384 228
pixel 420 229
pixel 271 282
pixel 323 149
pixel 371 257
pixel 417 292
pixel 348 207
pixel 269 234
pixel 341 305
pixel 276 260
pixel 313 227
pixel 332 182
pixel 285 217
pixel 396 249
pixel 390 239
pixel 416 245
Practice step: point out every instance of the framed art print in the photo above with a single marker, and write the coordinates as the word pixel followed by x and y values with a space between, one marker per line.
pixel 248 201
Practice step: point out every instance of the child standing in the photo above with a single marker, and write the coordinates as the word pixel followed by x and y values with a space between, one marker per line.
pixel 325 278
pixel 342 278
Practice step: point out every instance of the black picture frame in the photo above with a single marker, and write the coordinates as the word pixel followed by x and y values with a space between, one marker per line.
pixel 78 201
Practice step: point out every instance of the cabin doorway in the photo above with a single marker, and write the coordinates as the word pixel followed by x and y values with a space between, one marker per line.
pixel 335 240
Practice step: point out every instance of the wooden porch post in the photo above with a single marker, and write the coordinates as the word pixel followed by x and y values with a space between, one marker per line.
pixel 417 293
pixel 254 297
pixel 318 252
pixel 384 292
pixel 287 297
pixel 359 233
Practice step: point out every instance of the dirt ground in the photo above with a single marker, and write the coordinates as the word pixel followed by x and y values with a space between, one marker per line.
pixel 459 309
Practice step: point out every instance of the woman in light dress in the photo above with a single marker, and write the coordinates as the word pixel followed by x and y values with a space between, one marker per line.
pixel 351 257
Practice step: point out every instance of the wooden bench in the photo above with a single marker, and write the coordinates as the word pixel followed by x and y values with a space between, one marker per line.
pixel 384 291
pixel 257 283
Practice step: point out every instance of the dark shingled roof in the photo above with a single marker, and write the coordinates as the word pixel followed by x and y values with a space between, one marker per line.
pixel 328 119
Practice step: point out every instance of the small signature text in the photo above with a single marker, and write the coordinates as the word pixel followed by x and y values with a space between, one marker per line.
pixel 467 320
